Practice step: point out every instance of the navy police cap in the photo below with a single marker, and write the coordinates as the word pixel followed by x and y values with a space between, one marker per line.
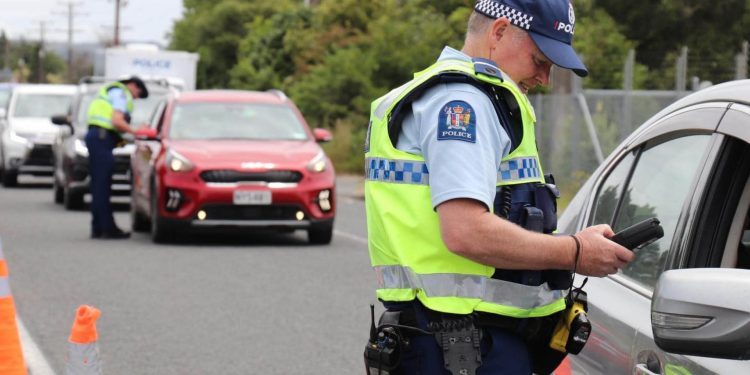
pixel 551 24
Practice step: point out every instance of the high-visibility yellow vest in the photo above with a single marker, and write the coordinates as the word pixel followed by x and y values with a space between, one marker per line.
pixel 406 249
pixel 100 110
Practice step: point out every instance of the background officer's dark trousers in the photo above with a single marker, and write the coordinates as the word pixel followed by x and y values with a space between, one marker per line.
pixel 503 352
pixel 100 143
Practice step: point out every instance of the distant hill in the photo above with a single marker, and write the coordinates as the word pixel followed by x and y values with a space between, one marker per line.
pixel 82 49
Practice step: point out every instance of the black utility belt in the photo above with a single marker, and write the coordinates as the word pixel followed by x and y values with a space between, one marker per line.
pixel 480 319
pixel 105 133
pixel 100 128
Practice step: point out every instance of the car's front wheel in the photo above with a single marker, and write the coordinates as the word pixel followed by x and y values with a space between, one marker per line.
pixel 320 234
pixel 160 231
pixel 57 191
pixel 72 200
pixel 10 178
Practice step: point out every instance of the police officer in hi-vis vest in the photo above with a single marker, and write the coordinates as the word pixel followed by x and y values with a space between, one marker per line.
pixel 108 118
pixel 460 214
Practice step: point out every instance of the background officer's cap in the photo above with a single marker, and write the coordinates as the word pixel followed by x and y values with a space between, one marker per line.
pixel 139 83
pixel 550 23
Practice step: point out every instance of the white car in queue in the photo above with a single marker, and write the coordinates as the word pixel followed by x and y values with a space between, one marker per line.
pixel 26 131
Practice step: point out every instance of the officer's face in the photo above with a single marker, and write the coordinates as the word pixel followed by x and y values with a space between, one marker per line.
pixel 523 61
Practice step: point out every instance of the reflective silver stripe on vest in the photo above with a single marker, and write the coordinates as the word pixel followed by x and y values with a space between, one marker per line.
pixel 388 100
pixel 397 171
pixel 102 119
pixel 518 169
pixel 467 286
pixel 4 287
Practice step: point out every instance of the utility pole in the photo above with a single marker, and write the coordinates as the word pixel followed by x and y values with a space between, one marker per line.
pixel 6 53
pixel 118 5
pixel 40 53
pixel 117 23
pixel 71 13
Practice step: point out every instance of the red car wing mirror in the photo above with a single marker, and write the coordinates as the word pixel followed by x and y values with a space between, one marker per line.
pixel 322 135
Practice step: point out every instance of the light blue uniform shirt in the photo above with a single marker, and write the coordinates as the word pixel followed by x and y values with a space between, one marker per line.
pixel 459 168
pixel 118 99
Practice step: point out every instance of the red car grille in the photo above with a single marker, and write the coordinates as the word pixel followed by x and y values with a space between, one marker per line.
pixel 236 176
pixel 234 212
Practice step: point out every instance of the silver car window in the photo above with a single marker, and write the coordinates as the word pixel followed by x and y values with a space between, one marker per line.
pixel 611 190
pixel 658 188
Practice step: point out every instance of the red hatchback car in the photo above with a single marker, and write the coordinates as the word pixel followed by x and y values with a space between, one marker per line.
pixel 217 159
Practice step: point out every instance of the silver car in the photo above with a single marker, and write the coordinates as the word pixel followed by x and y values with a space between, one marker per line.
pixel 26 132
pixel 683 305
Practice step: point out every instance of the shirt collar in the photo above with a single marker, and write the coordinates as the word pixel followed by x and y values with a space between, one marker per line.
pixel 450 53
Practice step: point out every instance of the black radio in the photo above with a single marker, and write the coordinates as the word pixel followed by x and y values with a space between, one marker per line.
pixel 639 235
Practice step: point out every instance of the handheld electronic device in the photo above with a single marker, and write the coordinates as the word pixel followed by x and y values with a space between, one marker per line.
pixel 640 234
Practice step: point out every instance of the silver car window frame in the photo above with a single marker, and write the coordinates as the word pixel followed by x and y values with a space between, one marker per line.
pixel 656 131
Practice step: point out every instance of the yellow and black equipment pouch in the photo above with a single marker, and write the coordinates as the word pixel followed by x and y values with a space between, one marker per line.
pixel 573 329
pixel 557 335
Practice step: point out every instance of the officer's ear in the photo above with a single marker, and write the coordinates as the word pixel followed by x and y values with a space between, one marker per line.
pixel 500 27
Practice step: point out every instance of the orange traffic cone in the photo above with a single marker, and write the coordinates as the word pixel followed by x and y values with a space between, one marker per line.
pixel 83 356
pixel 11 355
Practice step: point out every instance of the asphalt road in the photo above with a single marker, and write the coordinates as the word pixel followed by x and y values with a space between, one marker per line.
pixel 262 303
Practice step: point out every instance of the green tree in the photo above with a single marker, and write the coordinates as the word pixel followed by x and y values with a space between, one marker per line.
pixel 266 56
pixel 215 29
pixel 604 48
pixel 712 30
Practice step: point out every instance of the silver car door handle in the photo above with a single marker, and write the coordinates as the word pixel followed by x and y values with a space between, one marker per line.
pixel 642 369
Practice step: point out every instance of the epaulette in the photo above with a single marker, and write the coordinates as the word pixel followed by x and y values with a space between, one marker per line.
pixel 487 67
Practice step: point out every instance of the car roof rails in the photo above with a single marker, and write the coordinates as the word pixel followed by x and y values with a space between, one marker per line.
pixel 278 93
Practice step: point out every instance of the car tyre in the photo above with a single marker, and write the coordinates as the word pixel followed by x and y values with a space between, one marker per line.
pixel 160 231
pixel 10 178
pixel 57 191
pixel 72 201
pixel 320 234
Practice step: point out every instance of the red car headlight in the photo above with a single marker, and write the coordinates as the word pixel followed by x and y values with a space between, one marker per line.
pixel 318 163
pixel 178 163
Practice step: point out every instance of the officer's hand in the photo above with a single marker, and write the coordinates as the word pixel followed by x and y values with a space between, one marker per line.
pixel 599 256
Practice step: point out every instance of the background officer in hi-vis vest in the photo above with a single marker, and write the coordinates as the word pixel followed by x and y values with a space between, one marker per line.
pixel 108 118
pixel 460 213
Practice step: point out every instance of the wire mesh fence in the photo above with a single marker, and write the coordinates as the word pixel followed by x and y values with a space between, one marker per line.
pixel 571 145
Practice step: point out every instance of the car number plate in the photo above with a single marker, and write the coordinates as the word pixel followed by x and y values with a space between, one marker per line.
pixel 252 197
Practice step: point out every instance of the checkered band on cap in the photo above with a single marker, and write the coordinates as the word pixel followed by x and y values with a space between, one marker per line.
pixel 494 9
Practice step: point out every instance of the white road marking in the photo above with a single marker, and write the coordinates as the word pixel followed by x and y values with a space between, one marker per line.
pixel 350 236
pixel 35 361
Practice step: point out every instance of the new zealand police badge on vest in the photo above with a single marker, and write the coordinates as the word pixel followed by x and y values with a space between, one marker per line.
pixel 457 121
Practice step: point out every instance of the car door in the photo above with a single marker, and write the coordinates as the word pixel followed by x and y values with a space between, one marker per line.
pixel 656 175
pixel 142 162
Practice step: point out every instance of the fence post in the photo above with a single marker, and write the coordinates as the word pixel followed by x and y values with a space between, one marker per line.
pixel 627 100
pixel 740 70
pixel 681 72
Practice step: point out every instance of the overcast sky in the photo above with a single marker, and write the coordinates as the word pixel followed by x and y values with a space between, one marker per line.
pixel 140 20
